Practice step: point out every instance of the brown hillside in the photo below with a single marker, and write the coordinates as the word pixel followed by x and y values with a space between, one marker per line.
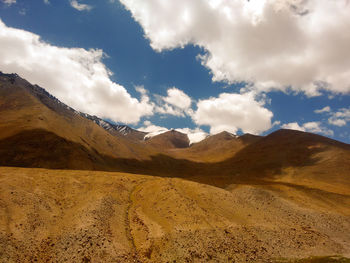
pixel 215 148
pixel 25 107
pixel 169 140
pixel 288 156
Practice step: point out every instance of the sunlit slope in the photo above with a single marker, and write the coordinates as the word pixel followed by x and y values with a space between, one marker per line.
pixel 76 216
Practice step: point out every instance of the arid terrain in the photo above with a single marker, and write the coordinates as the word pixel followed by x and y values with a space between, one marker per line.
pixel 74 190
pixel 83 216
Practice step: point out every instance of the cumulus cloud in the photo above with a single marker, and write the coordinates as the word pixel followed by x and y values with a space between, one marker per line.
pixel 76 76
pixel 175 103
pixel 9 2
pixel 80 7
pixel 233 112
pixel 178 98
pixel 46 2
pixel 270 44
pixel 314 127
pixel 340 117
pixel 323 110
pixel 169 110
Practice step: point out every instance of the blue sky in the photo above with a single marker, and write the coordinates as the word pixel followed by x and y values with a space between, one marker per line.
pixel 140 55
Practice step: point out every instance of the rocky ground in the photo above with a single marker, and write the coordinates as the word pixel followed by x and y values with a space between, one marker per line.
pixel 85 216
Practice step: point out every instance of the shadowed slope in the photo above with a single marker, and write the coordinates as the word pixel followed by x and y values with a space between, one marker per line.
pixel 42 149
pixel 39 148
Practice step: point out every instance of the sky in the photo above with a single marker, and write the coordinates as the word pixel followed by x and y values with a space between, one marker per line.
pixel 200 66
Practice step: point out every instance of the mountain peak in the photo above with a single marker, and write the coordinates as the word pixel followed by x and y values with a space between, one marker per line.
pixel 169 140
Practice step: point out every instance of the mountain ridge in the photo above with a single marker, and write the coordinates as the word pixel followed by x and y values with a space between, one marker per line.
pixel 58 118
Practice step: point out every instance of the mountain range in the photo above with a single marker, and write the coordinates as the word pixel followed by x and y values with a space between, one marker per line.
pixel 78 188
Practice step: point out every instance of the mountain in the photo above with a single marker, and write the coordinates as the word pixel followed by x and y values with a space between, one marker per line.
pixel 117 129
pixel 37 130
pixel 287 156
pixel 284 197
pixel 215 148
pixel 169 140
pixel 56 105
pixel 35 126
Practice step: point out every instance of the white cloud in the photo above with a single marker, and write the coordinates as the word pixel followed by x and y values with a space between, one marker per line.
pixel 276 123
pixel 178 98
pixel 293 126
pixel 74 75
pixel 323 110
pixel 47 2
pixel 231 112
pixel 337 122
pixel 194 135
pixel 152 129
pixel 175 103
pixel 169 110
pixel 314 127
pixel 273 44
pixel 343 113
pixel 9 2
pixel 80 7
pixel 340 118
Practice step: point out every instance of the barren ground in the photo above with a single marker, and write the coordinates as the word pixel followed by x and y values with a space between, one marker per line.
pixel 85 216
